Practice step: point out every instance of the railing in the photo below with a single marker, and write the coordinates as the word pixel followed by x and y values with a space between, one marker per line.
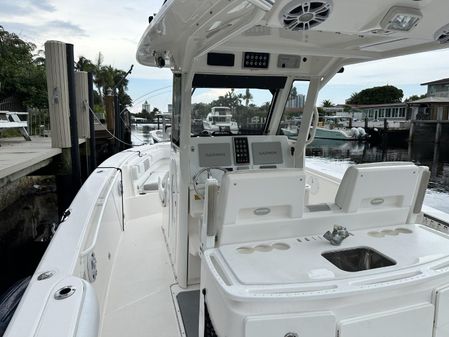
pixel 38 123
pixel 13 120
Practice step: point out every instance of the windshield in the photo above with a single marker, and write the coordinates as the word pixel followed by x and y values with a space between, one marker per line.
pixel 224 111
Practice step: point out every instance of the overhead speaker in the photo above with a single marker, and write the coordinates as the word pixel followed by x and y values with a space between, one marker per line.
pixel 305 14
pixel 442 35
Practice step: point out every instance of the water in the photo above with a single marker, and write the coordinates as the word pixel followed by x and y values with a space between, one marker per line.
pixel 140 134
pixel 25 231
pixel 334 157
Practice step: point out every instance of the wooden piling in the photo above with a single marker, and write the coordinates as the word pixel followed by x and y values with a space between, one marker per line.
pixel 439 125
pixel 118 124
pixel 59 61
pixel 93 141
pixel 82 104
pixel 110 112
pixel 58 97
pixel 82 113
pixel 75 151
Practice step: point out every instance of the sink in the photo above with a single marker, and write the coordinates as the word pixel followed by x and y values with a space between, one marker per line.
pixel 358 259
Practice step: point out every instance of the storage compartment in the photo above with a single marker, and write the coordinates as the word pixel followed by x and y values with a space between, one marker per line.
pixel 412 321
pixel 313 324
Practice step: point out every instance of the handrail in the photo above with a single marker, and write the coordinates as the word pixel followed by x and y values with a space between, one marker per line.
pixel 315 124
pixel 86 251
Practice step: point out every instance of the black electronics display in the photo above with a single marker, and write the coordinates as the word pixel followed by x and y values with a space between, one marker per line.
pixel 220 59
pixel 256 60
pixel 241 150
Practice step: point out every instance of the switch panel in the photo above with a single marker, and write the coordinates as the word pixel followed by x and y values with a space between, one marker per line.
pixel 241 150
pixel 256 60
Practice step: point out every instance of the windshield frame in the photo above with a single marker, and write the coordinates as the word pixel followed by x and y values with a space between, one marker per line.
pixel 237 82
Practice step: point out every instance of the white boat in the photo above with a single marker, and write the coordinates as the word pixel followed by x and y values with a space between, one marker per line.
pixel 233 235
pixel 160 136
pixel 220 120
pixel 290 131
pixel 334 129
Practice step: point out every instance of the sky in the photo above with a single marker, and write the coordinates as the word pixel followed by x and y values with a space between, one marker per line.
pixel 114 28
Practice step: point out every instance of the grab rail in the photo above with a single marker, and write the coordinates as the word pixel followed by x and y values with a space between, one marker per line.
pixel 315 124
pixel 86 251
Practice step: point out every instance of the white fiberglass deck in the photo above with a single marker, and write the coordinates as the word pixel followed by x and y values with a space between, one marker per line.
pixel 140 301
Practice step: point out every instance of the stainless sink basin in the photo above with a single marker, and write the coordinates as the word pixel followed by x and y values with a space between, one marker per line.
pixel 358 259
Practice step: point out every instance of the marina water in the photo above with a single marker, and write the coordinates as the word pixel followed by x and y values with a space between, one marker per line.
pixel 334 157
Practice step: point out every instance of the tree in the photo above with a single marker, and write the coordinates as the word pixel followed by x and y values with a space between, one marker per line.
pixel 415 97
pixel 247 97
pixel 84 64
pixel 22 74
pixel 327 103
pixel 377 95
pixel 105 77
pixel 293 93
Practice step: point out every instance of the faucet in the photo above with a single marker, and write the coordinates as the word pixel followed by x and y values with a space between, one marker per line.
pixel 337 236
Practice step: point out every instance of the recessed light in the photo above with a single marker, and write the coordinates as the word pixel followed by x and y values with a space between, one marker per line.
pixel 401 19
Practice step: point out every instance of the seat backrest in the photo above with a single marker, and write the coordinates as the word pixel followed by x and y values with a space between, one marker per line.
pixel 253 196
pixel 378 185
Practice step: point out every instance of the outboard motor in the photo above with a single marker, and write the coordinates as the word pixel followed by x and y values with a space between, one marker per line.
pixel 9 302
pixel 355 133
pixel 362 132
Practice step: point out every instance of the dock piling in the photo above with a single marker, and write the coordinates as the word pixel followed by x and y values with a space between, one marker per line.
pixel 75 151
pixel 92 143
pixel 82 113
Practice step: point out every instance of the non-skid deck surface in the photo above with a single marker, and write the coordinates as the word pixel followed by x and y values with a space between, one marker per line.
pixel 189 305
pixel 140 302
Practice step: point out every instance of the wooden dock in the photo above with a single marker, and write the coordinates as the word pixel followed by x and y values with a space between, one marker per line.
pixel 19 158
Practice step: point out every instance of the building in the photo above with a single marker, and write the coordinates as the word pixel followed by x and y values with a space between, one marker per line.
pixel 430 115
pixel 170 108
pixel 146 106
pixel 439 88
pixel 393 111
pixel 296 102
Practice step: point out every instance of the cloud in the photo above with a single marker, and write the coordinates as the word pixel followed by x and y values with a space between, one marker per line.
pixel 21 8
pixel 13 9
pixel 43 5
pixel 33 32
pixel 410 69
pixel 201 96
pixel 64 26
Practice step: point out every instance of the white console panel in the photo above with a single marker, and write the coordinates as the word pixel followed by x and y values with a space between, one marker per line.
pixel 240 153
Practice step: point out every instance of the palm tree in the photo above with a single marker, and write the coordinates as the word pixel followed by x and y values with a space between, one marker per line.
pixel 84 64
pixel 247 97
pixel 327 103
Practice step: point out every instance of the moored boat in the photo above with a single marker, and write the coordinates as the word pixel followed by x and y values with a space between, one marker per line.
pixel 220 120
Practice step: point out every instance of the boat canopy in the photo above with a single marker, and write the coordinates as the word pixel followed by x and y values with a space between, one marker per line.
pixel 307 38
pixel 269 44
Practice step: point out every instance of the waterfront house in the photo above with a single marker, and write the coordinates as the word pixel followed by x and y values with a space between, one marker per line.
pixel 392 111
pixel 439 88
pixel 430 115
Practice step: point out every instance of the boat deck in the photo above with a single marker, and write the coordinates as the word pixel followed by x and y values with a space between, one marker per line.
pixel 140 301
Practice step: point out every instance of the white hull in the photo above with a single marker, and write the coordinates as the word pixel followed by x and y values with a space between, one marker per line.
pixel 335 134
pixel 233 128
